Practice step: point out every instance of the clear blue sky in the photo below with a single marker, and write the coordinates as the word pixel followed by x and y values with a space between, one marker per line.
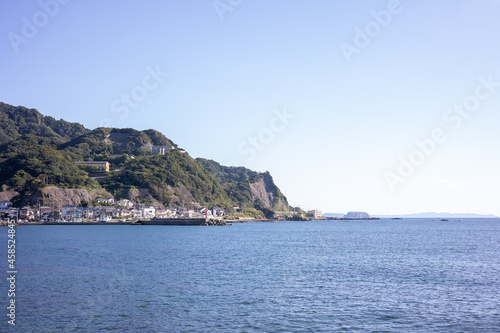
pixel 350 105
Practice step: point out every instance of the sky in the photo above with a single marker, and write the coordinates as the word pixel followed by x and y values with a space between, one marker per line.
pixel 388 107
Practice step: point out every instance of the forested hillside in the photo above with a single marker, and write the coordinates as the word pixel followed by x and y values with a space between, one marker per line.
pixel 37 151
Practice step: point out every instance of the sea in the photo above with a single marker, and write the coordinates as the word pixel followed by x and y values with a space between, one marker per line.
pixel 410 275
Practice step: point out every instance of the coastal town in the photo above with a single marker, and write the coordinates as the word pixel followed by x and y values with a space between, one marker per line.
pixel 106 210
pixel 125 211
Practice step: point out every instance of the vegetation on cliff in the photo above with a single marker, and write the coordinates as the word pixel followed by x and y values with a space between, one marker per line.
pixel 37 151
pixel 17 120
pixel 250 189
pixel 174 169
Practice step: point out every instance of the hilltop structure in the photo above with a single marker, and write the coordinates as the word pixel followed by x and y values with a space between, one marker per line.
pixel 161 150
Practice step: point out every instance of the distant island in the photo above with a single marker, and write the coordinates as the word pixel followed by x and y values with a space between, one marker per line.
pixel 349 216
pixel 357 215
pixel 360 215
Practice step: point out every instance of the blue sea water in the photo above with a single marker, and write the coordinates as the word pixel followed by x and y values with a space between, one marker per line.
pixel 323 276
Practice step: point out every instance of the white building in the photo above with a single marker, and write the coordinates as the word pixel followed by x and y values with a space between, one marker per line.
pixel 136 213
pixel 71 212
pixel 163 213
pixel 125 203
pixel 45 210
pixel 110 201
pixel 315 213
pixel 148 212
pixel 66 209
pixel 161 150
pixel 5 204
pixel 206 211
pixel 12 213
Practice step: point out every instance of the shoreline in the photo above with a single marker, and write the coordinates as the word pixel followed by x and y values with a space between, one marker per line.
pixel 197 222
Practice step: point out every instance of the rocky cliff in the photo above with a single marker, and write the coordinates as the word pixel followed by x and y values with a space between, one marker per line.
pixel 246 187
pixel 37 155
pixel 57 197
pixel 266 191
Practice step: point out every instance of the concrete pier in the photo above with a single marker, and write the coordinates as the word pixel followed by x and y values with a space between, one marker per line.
pixel 191 221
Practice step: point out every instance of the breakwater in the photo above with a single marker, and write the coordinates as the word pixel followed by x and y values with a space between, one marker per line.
pixel 189 222
pixel 153 221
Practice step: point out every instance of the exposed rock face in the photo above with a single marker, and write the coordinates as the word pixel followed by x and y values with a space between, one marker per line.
pixel 57 197
pixel 140 195
pixel 181 194
pixel 178 195
pixel 266 191
pixel 7 195
pixel 357 215
pixel 259 190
